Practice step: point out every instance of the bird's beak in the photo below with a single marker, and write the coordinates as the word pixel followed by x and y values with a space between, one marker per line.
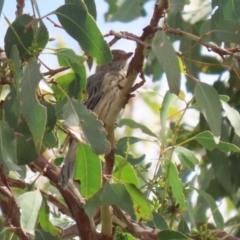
pixel 126 56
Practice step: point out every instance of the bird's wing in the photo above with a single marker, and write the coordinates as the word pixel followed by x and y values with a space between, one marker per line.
pixel 94 89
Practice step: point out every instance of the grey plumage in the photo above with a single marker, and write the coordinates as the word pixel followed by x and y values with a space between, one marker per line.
pixel 102 89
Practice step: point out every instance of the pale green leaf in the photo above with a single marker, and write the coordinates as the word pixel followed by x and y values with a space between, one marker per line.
pixel 176 184
pixel 163 50
pixel 30 203
pixel 33 112
pixel 218 218
pixel 209 102
pixel 88 170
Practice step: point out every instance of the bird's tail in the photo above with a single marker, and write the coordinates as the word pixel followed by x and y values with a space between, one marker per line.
pixel 67 171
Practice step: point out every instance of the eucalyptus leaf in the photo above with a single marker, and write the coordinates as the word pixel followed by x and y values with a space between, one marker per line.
pixel 163 50
pixel 88 163
pixel 209 102
pixel 79 24
pixel 86 125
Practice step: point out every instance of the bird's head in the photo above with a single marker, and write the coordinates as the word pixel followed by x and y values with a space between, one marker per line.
pixel 119 61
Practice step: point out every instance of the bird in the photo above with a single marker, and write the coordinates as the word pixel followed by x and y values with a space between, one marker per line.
pixel 102 89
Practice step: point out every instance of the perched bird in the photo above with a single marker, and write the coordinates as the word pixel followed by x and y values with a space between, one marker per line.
pixel 102 88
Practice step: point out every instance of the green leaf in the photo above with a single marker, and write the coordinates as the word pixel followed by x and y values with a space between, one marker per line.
pixel 93 202
pixel 163 50
pixel 42 36
pixel 6 233
pixel 159 221
pixel 91 6
pixel 208 100
pixel 231 10
pixel 122 149
pixel 124 11
pixel 30 203
pixel 217 216
pixel 14 56
pixel 85 123
pixel 8 156
pixel 186 157
pixel 177 6
pixel 168 100
pixel 182 226
pixel 140 202
pixel 124 172
pixel 228 31
pixel 43 217
pixel 176 184
pixel 206 139
pixel 82 27
pixel 51 115
pixel 233 116
pixel 116 193
pixel 132 124
pixel 33 112
pixel 88 170
pixel 12 109
pixel 171 235
pixel 64 82
pixel 220 165
pixel 17 34
pixel 66 55
pixel 26 145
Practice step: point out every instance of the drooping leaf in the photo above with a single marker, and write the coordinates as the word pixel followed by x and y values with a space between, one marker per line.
pixel 233 116
pixel 14 56
pixel 116 193
pixel 20 35
pixel 208 100
pixel 66 55
pixel 30 203
pixel 81 26
pixel 163 50
pixel 88 170
pixel 168 101
pixel 8 150
pixel 51 115
pixel 206 139
pixel 85 123
pixel 218 218
pixel 64 82
pixel 93 202
pixel 42 35
pixel 36 118
pixel 187 157
pixel 176 184
pixel 46 224
pixel 182 226
pixel 122 149
pixel 124 171
pixel 159 221
pixel 78 85
pixel 132 124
